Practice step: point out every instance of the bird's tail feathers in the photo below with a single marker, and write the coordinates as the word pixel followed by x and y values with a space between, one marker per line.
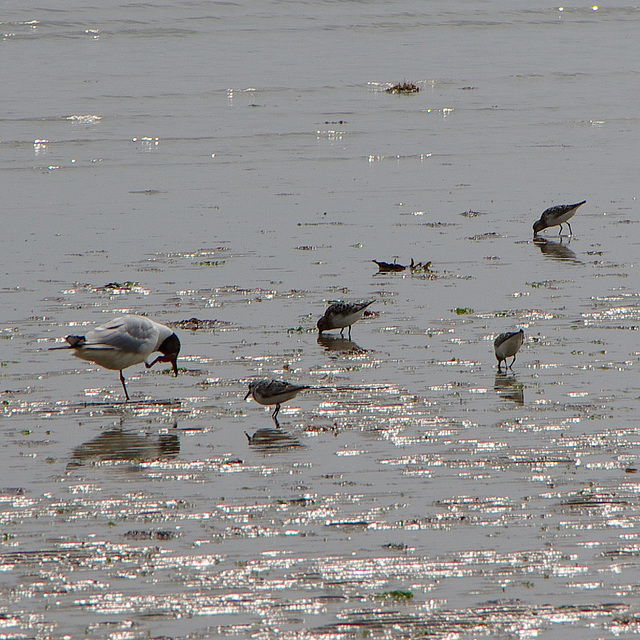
pixel 72 343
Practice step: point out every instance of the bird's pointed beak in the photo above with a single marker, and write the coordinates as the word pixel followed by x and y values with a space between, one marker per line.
pixel 150 364
pixel 248 394
pixel 172 358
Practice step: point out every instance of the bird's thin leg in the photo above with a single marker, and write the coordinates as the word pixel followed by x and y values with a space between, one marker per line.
pixel 349 332
pixel 560 232
pixel 570 230
pixel 511 365
pixel 124 386
pixel 275 411
pixel 342 332
pixel 499 363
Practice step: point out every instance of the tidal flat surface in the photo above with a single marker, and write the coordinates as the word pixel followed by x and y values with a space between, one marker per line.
pixel 229 169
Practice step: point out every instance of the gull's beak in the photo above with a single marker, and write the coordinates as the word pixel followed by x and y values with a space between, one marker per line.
pixel 172 358
pixel 150 364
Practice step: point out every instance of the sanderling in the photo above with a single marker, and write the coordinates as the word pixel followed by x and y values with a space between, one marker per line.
pixel 507 344
pixel 268 392
pixel 342 314
pixel 126 341
pixel 557 215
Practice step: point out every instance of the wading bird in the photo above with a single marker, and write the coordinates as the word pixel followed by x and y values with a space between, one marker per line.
pixel 342 314
pixel 555 216
pixel 269 392
pixel 507 344
pixel 126 341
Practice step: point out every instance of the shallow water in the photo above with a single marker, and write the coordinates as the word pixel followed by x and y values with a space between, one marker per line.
pixel 228 168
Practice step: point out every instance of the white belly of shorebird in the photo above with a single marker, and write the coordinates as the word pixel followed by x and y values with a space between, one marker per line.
pixel 278 398
pixel 509 347
pixel 340 321
pixel 565 216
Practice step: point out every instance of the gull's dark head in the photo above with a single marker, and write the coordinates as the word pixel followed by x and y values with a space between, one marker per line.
pixel 170 349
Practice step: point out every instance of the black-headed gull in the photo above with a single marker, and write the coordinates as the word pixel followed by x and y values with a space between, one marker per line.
pixel 342 314
pixel 126 341
pixel 268 392
pixel 507 344
pixel 558 215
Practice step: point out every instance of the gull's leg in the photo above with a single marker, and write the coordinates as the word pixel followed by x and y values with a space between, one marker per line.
pixel 124 386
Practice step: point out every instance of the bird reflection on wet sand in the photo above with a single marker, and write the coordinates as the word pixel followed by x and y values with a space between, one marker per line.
pixel 272 440
pixel 338 343
pixel 117 444
pixel 555 250
pixel 507 386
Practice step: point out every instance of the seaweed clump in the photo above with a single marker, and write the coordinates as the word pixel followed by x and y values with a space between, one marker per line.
pixel 403 87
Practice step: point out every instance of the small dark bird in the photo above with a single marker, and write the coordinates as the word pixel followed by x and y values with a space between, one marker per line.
pixel 507 344
pixel 126 341
pixel 268 392
pixel 555 216
pixel 389 266
pixel 342 314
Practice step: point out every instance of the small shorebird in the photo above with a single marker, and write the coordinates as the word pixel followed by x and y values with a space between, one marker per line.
pixel 507 344
pixel 342 314
pixel 126 341
pixel 554 216
pixel 268 392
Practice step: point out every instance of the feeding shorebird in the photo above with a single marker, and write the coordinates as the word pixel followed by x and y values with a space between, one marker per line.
pixel 269 392
pixel 126 341
pixel 342 314
pixel 508 344
pixel 558 215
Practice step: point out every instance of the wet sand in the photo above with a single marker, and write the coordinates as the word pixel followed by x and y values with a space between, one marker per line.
pixel 415 491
